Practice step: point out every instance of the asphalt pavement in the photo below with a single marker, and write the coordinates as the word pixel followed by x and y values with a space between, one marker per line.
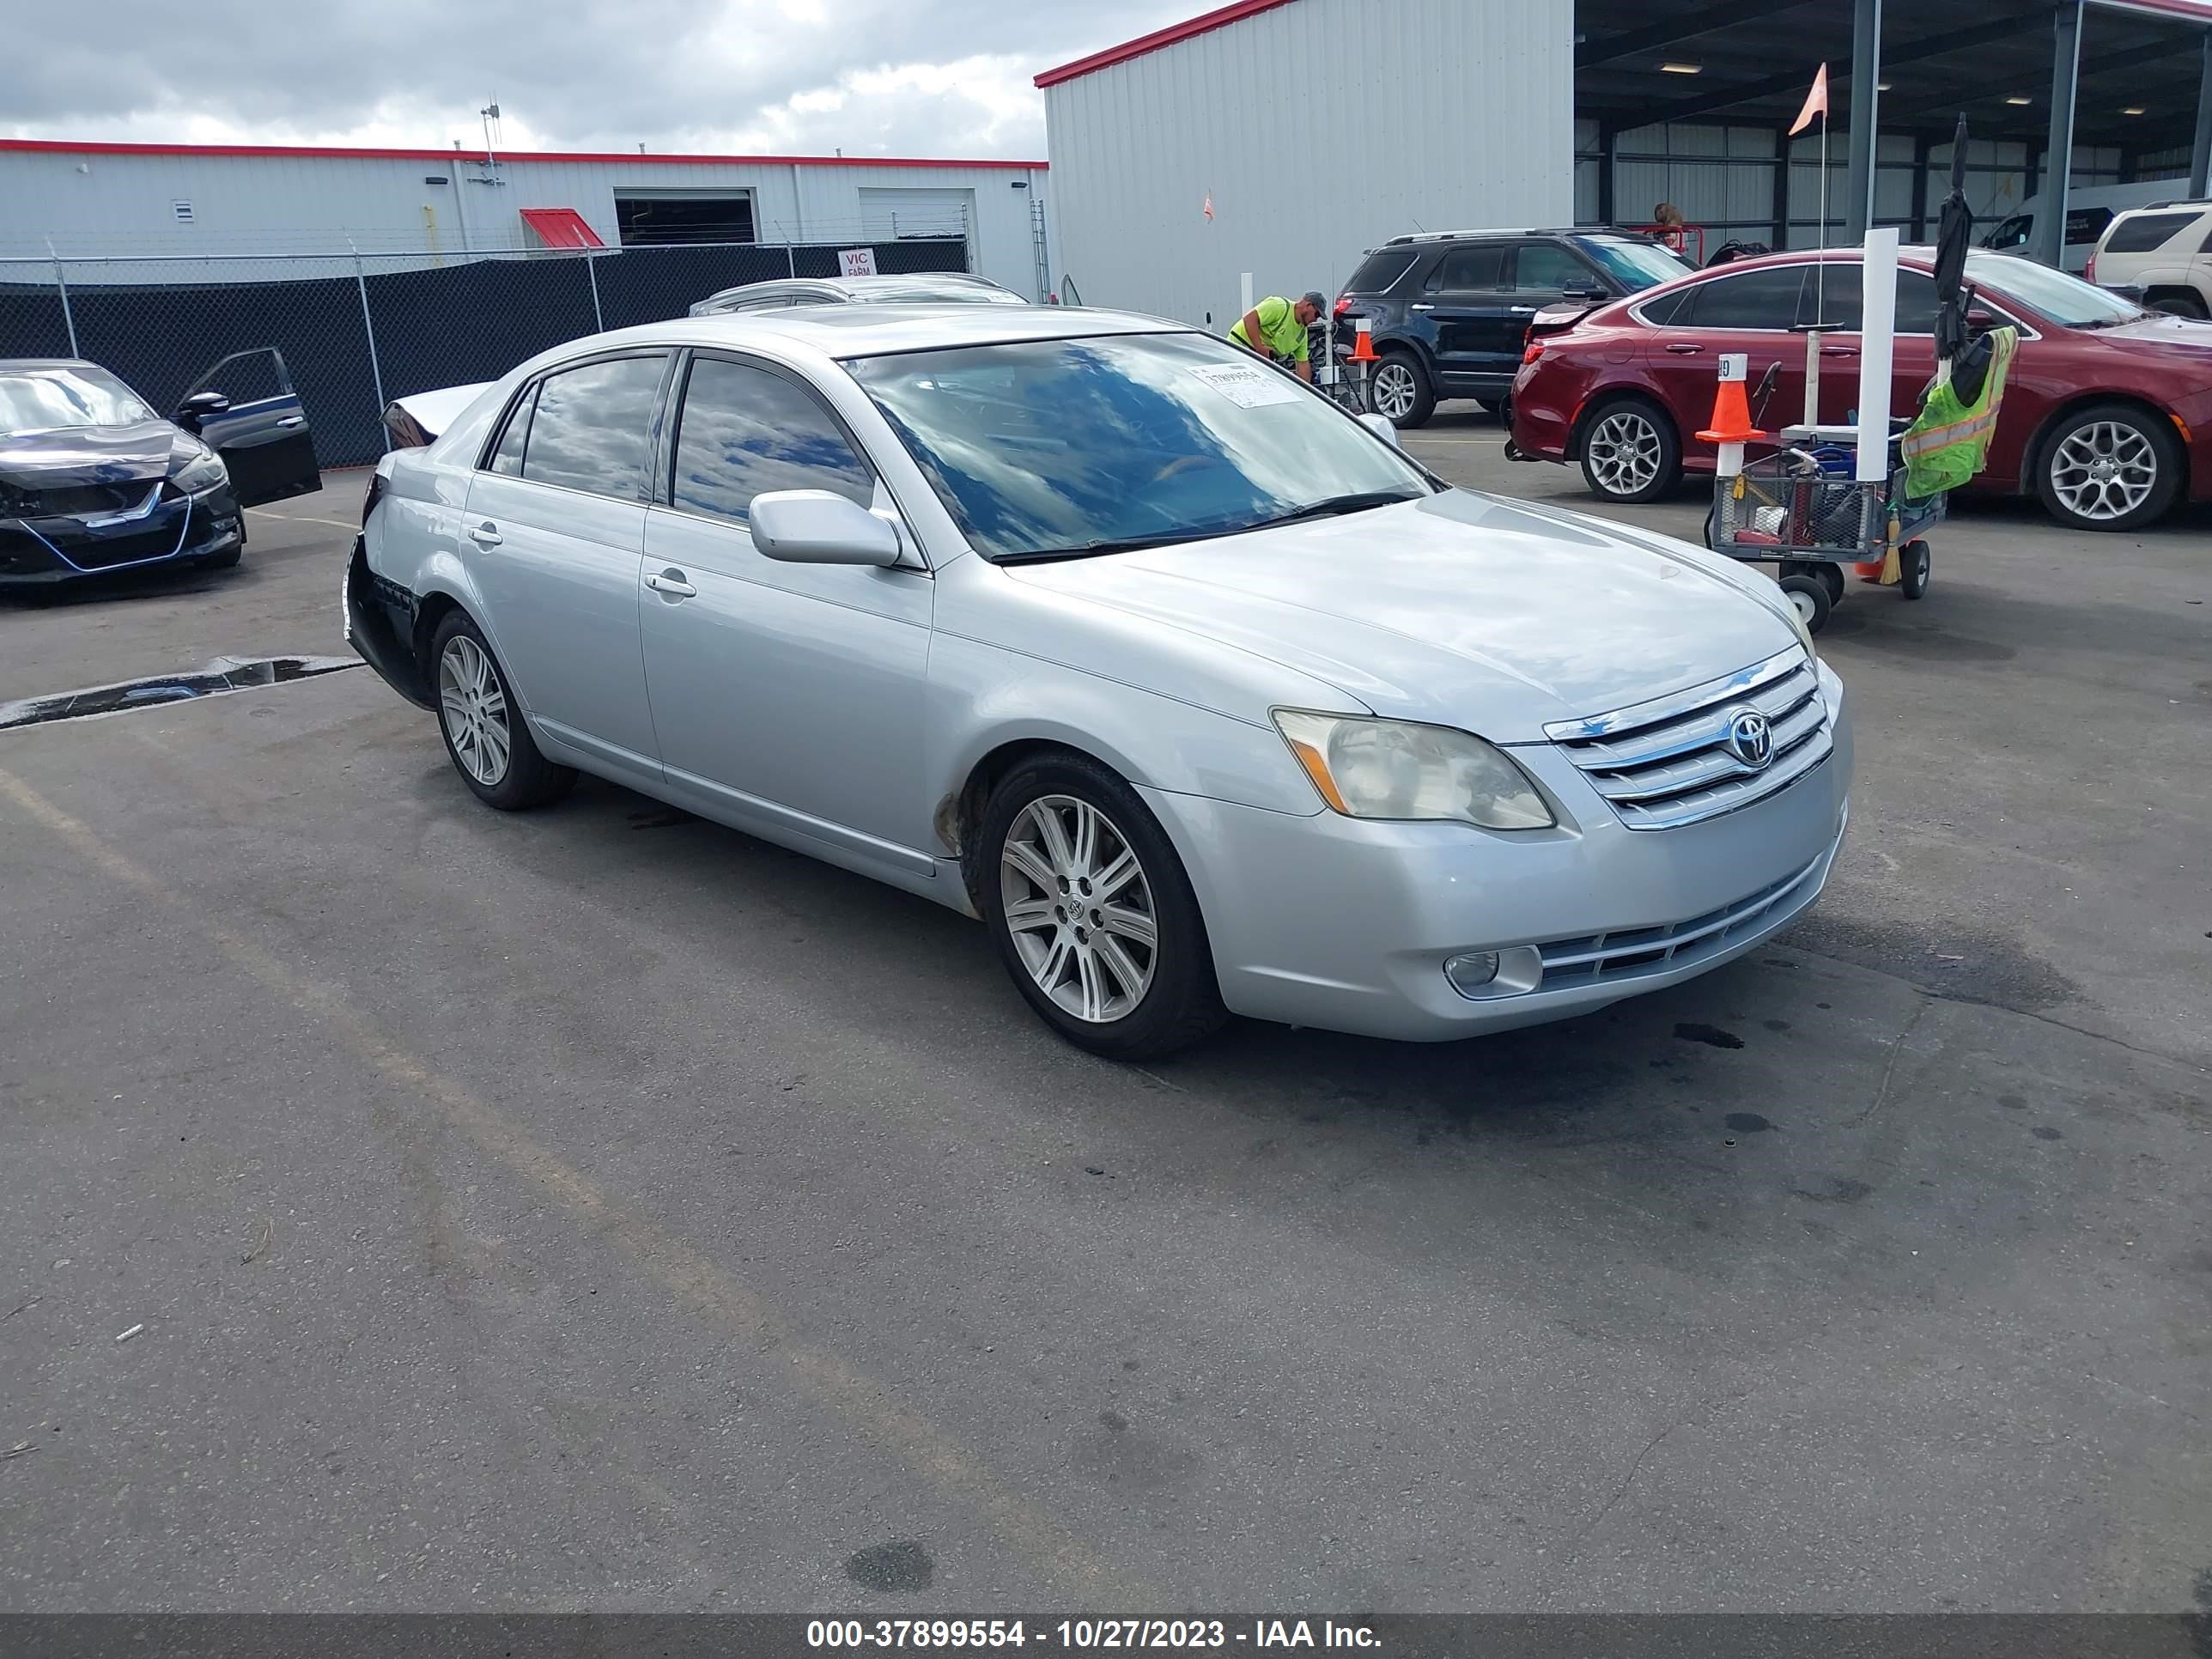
pixel 407 1206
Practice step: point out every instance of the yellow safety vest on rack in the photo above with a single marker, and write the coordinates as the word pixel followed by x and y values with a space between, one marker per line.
pixel 1948 444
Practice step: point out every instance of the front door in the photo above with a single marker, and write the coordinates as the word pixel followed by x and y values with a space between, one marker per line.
pixel 788 697
pixel 555 538
pixel 262 434
pixel 1912 350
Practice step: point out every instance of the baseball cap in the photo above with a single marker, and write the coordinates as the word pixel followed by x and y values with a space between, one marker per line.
pixel 1313 298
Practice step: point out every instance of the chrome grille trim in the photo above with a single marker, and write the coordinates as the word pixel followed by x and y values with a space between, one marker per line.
pixel 1572 962
pixel 1663 764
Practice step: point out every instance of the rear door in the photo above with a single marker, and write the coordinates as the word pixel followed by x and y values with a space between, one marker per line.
pixel 263 436
pixel 555 538
pixel 1465 301
pixel 1750 311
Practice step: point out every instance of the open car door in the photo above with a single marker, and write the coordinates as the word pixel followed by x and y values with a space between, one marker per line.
pixel 261 432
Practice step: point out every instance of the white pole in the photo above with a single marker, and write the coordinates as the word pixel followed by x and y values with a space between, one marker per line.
pixel 1244 296
pixel 1877 335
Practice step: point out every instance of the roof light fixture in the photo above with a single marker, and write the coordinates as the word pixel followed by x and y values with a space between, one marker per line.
pixel 2022 102
pixel 1681 68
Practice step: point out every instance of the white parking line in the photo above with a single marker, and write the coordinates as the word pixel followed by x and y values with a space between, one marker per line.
pixel 301 518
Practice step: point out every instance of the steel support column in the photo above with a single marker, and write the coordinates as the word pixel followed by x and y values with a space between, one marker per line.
pixel 2048 241
pixel 1866 99
pixel 1608 159
pixel 2200 153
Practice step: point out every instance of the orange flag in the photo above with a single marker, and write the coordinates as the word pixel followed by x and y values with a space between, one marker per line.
pixel 1816 103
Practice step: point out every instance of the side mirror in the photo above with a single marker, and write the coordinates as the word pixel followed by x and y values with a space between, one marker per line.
pixel 1586 294
pixel 814 526
pixel 198 406
pixel 1979 321
pixel 1381 426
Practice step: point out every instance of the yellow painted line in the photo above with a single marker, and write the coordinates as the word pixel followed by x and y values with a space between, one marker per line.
pixel 301 518
pixel 695 1280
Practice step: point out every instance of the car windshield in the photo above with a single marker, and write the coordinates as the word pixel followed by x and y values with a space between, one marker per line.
pixel 41 399
pixel 2067 300
pixel 1063 448
pixel 1637 265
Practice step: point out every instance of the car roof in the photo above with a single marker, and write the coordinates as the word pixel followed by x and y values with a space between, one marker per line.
pixel 846 331
pixel 1423 239
pixel 2199 203
pixel 46 362
pixel 861 288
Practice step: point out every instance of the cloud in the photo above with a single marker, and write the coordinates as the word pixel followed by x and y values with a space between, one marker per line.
pixel 867 76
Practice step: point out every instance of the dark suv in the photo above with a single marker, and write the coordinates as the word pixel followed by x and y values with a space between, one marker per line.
pixel 1451 310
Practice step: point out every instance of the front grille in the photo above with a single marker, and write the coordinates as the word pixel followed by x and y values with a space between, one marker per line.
pixel 161 535
pixel 1572 962
pixel 1665 763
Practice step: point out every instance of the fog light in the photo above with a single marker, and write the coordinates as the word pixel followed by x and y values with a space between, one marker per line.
pixel 1469 974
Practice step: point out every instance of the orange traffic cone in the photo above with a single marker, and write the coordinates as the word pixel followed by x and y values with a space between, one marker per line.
pixel 1362 342
pixel 1731 415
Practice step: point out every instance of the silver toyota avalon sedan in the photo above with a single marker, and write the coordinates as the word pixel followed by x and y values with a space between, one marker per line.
pixel 1196 690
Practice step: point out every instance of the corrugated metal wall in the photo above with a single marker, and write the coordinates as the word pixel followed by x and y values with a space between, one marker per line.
pixel 1318 130
pixel 95 205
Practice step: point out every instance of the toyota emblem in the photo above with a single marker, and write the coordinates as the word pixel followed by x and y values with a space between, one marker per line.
pixel 1750 739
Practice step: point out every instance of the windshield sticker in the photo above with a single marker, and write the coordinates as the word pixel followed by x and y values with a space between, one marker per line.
pixel 1248 386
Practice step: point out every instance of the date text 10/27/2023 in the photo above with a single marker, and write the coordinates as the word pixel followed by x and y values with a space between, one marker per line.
pixel 1087 1634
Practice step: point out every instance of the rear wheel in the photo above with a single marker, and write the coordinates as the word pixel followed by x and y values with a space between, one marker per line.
pixel 1808 597
pixel 1630 452
pixel 1830 576
pixel 1401 389
pixel 1093 914
pixel 2109 466
pixel 1913 568
pixel 1498 409
pixel 486 738
pixel 2179 303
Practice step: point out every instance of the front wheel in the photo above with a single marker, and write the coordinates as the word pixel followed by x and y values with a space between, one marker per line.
pixel 486 738
pixel 1093 914
pixel 1808 597
pixel 1401 390
pixel 1631 453
pixel 2109 466
pixel 1913 568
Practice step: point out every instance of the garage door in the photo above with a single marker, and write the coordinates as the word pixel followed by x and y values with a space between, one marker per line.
pixel 898 215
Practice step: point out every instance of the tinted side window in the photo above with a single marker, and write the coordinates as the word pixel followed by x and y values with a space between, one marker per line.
pixel 1670 308
pixel 507 457
pixel 1379 270
pixel 1758 299
pixel 1916 302
pixel 1843 301
pixel 1547 268
pixel 745 430
pixel 590 429
pixel 2146 231
pixel 1466 268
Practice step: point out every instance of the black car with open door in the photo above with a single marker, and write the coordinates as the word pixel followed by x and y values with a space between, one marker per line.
pixel 93 482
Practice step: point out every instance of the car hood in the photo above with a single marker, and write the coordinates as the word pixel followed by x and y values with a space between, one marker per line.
pixel 2180 341
pixel 1460 609
pixel 87 455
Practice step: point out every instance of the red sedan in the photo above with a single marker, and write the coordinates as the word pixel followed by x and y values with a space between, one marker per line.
pixel 2107 412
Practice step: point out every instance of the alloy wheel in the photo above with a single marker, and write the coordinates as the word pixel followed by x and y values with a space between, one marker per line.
pixel 1393 392
pixel 2103 469
pixel 1079 908
pixel 1623 450
pixel 474 709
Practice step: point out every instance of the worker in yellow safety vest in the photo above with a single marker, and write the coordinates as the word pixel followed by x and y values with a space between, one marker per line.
pixel 1276 329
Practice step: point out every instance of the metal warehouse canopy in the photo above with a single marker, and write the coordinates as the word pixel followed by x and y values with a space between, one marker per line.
pixel 1753 60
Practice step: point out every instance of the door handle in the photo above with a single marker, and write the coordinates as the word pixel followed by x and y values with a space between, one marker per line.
pixel 1683 348
pixel 1839 351
pixel 485 534
pixel 293 420
pixel 1523 311
pixel 1417 306
pixel 671 583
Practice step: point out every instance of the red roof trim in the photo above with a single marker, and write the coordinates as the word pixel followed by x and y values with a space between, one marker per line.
pixel 560 228
pixel 65 147
pixel 1167 37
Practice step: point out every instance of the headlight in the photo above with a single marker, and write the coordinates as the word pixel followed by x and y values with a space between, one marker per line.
pixel 204 472
pixel 1371 769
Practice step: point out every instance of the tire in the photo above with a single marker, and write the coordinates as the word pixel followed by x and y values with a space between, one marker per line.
pixel 2179 305
pixel 476 702
pixel 1913 569
pixel 1075 967
pixel 1810 595
pixel 2139 449
pixel 1401 390
pixel 1830 576
pixel 1630 452
pixel 1499 410
pixel 226 559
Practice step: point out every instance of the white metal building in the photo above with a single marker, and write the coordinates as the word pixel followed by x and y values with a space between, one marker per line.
pixel 1283 136
pixel 142 202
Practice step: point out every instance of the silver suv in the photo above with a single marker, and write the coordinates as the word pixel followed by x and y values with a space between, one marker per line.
pixel 2160 250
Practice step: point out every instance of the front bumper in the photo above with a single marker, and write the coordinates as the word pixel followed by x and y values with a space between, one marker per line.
pixel 1345 924
pixel 379 625
pixel 183 530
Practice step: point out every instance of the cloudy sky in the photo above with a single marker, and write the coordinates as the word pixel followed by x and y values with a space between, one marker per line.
pixel 886 77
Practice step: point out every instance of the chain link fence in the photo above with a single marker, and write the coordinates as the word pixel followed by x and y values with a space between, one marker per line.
pixel 357 329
